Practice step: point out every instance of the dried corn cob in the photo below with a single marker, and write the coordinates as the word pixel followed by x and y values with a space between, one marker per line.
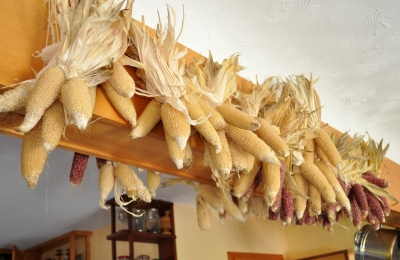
pixel 345 187
pixel 375 206
pixel 238 156
pixel 235 117
pixel 271 182
pixel 355 209
pixel 205 128
pixel 123 105
pixel 252 188
pixel 359 195
pixel 211 195
pixel 229 206
pixel 124 175
pixel 153 181
pixel 175 124
pixel 188 159
pixel 341 196
pixel 300 203
pixel 277 203
pixel 41 96
pixel 269 135
pixel 287 207
pixel 142 192
pixel 53 124
pixel 316 178
pixel 106 182
pixel 371 178
pixel 121 82
pixel 175 153
pixel 149 118
pixel 78 167
pixel 385 205
pixel 330 211
pixel 325 143
pixel 92 93
pixel 75 97
pixel 221 161
pixel 216 119
pixel 15 98
pixel 252 144
pixel 33 155
pixel 314 201
pixel 203 214
pixel 241 184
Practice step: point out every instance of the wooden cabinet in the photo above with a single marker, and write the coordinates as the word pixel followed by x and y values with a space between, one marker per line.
pixel 166 243
pixel 68 238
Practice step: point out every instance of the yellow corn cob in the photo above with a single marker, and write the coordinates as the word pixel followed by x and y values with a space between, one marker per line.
pixel 243 205
pixel 269 135
pixel 234 116
pixel 75 97
pixel 216 119
pixel 123 105
pixel 121 81
pixel 210 194
pixel 314 201
pixel 229 206
pixel 271 182
pixel 341 197
pixel 175 153
pixel 175 124
pixel 53 124
pixel 33 155
pixel 238 156
pixel 153 181
pixel 92 93
pixel 320 154
pixel 252 144
pixel 300 203
pixel 309 151
pixel 241 183
pixel 125 176
pixel 142 192
pixel 325 143
pixel 149 118
pixel 188 159
pixel 221 161
pixel 106 182
pixel 203 214
pixel 205 128
pixel 316 178
pixel 15 99
pixel 41 96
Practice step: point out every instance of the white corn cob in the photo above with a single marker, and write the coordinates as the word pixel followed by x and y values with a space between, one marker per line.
pixel 75 96
pixel 15 98
pixel 42 95
pixel 33 155
pixel 106 182
pixel 175 124
pixel 123 105
pixel 53 124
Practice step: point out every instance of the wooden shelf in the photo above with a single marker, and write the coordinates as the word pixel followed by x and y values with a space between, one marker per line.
pixel 67 238
pixel 145 237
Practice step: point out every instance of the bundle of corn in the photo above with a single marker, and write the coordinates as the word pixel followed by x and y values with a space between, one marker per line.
pixel 92 36
pixel 164 81
pixel 360 178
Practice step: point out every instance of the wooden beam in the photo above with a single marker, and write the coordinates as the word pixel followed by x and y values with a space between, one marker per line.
pixel 23 31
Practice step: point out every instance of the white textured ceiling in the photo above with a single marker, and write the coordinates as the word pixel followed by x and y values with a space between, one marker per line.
pixel 352 46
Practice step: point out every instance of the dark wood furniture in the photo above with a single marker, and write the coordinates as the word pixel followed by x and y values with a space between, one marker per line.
pixel 166 243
